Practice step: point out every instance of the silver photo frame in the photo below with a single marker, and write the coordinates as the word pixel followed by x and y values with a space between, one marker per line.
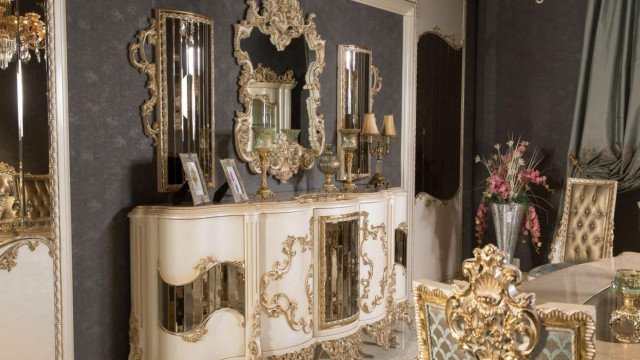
pixel 195 178
pixel 235 181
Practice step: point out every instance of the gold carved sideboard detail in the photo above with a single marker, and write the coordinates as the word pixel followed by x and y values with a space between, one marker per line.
pixel 255 346
pixel 304 354
pixel 135 352
pixel 280 304
pixel 372 233
pixel 486 314
pixel 185 309
pixel 338 242
pixel 8 258
pixel 347 348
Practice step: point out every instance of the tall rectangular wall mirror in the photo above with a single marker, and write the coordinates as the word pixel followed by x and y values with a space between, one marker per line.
pixel 35 284
pixel 181 90
pixel 358 83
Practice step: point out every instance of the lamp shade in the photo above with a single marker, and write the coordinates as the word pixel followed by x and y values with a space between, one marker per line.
pixel 388 127
pixel 369 126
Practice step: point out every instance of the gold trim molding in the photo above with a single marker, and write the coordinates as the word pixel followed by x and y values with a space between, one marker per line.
pixel 135 351
pixel 489 299
pixel 430 200
pixel 274 306
pixel 450 38
pixel 138 58
pixel 8 258
pixel 282 20
pixel 372 233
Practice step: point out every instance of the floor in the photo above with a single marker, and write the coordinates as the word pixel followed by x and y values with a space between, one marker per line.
pixel 406 349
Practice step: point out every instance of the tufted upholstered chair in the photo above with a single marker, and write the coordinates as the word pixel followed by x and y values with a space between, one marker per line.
pixel 37 193
pixel 493 309
pixel 586 228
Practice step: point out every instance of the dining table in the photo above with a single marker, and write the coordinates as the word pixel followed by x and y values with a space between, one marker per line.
pixel 587 285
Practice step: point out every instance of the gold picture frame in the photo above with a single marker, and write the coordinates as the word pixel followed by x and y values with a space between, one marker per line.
pixel 195 178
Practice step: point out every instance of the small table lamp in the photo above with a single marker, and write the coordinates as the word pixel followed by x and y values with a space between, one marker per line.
pixel 381 149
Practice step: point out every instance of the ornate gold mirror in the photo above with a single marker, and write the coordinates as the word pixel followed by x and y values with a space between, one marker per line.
pixel 359 82
pixel 180 84
pixel 279 85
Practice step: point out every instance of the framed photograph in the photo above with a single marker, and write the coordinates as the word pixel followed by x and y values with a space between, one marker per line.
pixel 235 181
pixel 194 176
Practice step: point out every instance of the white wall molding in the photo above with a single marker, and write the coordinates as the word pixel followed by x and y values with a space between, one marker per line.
pixel 64 177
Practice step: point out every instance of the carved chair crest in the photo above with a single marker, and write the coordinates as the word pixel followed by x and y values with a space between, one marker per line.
pixel 486 314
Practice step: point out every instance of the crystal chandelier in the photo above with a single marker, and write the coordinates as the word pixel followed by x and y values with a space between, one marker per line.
pixel 32 35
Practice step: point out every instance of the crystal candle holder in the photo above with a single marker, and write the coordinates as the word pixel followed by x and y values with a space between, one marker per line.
pixel 328 165
pixel 349 139
pixel 625 320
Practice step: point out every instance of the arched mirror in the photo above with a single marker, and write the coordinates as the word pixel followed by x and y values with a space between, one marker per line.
pixel 438 115
pixel 358 83
pixel 282 57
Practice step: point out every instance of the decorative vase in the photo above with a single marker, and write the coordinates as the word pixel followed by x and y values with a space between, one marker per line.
pixel 507 219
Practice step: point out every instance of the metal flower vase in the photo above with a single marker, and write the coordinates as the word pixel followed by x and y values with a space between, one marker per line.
pixel 507 219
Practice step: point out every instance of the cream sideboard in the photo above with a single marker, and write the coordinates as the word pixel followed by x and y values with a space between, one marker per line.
pixel 256 280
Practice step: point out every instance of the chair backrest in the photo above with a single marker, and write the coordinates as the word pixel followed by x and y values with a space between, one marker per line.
pixel 568 332
pixel 586 228
pixel 434 336
pixel 486 314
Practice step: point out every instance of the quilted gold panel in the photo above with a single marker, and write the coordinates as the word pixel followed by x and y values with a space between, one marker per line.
pixel 586 232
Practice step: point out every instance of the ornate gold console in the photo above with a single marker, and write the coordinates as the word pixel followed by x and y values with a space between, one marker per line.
pixel 268 280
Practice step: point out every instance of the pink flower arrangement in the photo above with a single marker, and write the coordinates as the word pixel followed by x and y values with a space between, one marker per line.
pixel 510 179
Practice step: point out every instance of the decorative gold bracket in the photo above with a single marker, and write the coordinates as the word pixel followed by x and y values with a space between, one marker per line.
pixel 139 60
pixel 377 83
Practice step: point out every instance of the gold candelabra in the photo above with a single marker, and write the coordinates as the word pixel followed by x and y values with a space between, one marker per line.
pixel 381 149
pixel 263 140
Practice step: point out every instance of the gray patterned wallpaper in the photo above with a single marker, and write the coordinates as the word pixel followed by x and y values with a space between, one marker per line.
pixel 528 60
pixel 113 165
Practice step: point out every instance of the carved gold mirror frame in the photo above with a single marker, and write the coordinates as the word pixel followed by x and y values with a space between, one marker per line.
pixel 375 85
pixel 282 21
pixel 158 84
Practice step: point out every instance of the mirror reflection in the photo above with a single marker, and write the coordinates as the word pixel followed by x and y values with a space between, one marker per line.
pixel 185 307
pixel 400 253
pixel 342 272
pixel 189 82
pixel 278 86
pixel 358 82
pixel 25 203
